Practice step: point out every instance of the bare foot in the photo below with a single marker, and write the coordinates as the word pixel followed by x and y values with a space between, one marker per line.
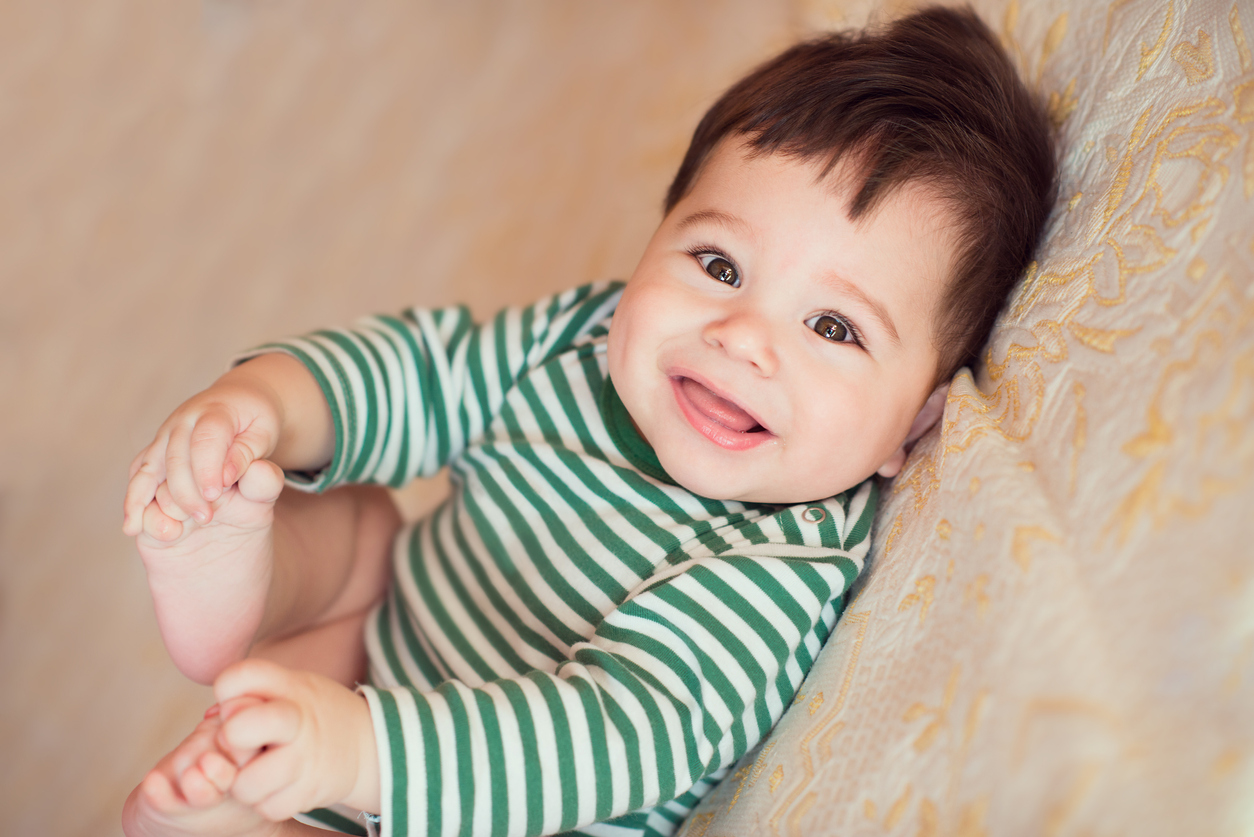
pixel 186 794
pixel 209 582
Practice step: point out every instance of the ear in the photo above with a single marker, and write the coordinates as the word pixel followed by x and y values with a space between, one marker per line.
pixel 928 415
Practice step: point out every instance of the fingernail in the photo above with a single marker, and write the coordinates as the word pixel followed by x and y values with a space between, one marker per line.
pixel 201 517
pixel 212 493
pixel 212 711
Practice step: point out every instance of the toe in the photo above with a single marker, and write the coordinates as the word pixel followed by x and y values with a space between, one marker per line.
pixel 197 789
pixel 159 526
pixel 158 793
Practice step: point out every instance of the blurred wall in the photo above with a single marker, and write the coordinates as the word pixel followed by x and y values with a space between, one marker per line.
pixel 180 180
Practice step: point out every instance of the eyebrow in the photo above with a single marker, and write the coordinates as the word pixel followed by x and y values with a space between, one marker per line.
pixel 877 310
pixel 718 218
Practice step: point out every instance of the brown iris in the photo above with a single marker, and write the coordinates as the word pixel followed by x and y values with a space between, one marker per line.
pixel 722 270
pixel 831 328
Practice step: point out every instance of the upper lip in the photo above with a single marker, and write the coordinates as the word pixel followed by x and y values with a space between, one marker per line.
pixel 680 372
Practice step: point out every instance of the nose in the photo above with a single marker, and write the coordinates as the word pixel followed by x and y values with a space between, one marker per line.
pixel 746 337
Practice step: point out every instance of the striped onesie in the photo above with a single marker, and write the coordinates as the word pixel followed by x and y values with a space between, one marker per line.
pixel 572 641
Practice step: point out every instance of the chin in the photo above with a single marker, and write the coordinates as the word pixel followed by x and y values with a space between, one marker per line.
pixel 719 487
pixel 701 482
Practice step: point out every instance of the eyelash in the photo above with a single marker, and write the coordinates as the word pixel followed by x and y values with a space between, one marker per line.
pixel 700 250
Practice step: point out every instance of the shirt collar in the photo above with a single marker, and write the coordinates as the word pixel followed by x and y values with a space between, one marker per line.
pixel 628 440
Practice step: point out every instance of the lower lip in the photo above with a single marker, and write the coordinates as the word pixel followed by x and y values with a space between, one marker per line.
pixel 717 433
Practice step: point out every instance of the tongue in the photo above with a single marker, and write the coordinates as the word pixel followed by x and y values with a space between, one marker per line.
pixel 718 409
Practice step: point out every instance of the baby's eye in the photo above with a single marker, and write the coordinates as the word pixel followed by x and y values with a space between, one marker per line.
pixel 832 328
pixel 720 268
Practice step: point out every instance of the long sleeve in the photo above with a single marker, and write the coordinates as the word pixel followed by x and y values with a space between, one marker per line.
pixel 675 684
pixel 572 637
pixel 409 392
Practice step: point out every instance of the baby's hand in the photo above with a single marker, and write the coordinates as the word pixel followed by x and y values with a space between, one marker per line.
pixel 314 741
pixel 201 450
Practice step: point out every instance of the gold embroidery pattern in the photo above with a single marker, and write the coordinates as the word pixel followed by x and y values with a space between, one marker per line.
pixel 1197 60
pixel 922 596
pixel 827 728
pixel 1021 547
pixel 1238 37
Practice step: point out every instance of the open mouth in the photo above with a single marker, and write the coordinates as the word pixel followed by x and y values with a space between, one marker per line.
pixel 720 420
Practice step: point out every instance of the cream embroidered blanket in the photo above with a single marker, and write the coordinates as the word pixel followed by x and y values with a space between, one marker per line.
pixel 1057 635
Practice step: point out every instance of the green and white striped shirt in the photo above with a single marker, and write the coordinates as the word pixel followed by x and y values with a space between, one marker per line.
pixel 572 638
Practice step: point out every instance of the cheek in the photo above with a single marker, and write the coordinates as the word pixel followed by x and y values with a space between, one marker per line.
pixel 644 317
pixel 842 430
pixel 616 347
pixel 630 335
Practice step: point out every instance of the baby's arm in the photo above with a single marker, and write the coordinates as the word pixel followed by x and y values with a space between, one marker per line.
pixel 318 739
pixel 270 407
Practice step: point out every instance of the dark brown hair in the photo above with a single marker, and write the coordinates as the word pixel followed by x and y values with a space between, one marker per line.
pixel 932 98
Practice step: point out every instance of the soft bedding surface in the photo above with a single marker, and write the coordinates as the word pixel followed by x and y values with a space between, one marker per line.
pixel 1055 636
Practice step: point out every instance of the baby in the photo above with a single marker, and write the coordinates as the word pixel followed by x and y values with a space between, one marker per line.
pixel 661 490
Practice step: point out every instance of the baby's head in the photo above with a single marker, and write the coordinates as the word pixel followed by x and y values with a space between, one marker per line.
pixel 845 226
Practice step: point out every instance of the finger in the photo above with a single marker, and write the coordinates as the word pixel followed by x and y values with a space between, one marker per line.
pixel 266 776
pixel 179 477
pixel 285 803
pixel 270 724
pixel 141 489
pixel 230 707
pixel 262 482
pixel 251 444
pixel 226 710
pixel 135 463
pixel 207 449
pixel 238 457
pixel 158 526
pixel 238 756
pixel 167 505
pixel 253 676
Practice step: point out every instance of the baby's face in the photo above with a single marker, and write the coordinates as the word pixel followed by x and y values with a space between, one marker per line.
pixel 770 349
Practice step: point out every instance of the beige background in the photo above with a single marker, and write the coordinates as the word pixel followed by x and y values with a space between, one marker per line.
pixel 181 180
pixel 1057 640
